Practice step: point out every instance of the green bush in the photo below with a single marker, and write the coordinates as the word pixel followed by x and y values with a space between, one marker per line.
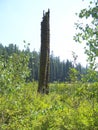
pixel 74 108
pixel 68 106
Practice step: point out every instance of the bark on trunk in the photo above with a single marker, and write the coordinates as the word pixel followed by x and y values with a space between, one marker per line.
pixel 43 86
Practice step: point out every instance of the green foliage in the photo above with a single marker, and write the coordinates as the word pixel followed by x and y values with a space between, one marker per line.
pixel 88 32
pixel 67 107
pixel 71 106
pixel 74 75
pixel 90 76
pixel 14 71
pixel 73 72
pixel 59 70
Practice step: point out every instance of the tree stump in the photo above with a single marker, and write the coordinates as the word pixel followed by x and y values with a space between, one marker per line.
pixel 43 86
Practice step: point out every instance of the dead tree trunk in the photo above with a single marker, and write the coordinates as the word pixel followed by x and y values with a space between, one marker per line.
pixel 44 55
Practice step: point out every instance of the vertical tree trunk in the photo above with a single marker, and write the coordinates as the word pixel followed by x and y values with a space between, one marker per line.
pixel 44 55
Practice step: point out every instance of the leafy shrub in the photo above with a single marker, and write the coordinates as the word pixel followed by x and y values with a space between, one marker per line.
pixel 74 108
pixel 14 70
pixel 69 106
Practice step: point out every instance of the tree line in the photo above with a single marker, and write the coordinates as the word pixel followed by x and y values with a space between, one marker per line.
pixel 59 70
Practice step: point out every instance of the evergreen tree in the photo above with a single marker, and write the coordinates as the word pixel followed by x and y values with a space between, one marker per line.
pixel 59 70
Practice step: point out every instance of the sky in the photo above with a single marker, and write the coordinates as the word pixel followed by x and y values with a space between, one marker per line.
pixel 20 20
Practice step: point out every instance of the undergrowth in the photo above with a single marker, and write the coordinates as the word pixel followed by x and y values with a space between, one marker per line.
pixel 67 107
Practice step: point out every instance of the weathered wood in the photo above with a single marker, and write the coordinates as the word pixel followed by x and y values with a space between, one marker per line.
pixel 44 55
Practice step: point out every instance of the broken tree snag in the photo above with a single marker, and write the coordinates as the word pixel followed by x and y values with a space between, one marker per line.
pixel 43 86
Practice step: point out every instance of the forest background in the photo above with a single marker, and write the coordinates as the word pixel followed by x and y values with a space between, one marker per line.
pixel 72 102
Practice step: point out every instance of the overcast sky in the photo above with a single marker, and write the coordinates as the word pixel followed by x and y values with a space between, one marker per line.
pixel 20 20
